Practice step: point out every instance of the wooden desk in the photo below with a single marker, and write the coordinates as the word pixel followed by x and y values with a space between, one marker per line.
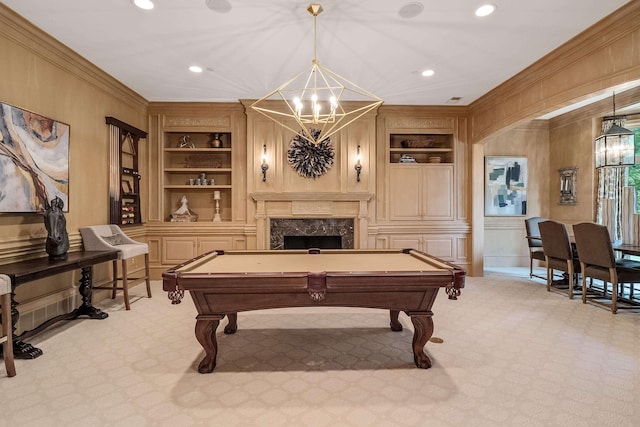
pixel 27 271
pixel 225 283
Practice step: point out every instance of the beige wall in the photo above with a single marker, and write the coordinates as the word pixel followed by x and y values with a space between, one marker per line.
pixel 505 244
pixel 45 77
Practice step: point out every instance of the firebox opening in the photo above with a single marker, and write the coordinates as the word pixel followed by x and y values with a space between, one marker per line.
pixel 306 242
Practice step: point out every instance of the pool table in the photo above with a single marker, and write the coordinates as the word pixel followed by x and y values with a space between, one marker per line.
pixel 223 283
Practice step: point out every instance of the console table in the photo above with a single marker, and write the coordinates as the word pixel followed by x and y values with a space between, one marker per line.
pixel 27 271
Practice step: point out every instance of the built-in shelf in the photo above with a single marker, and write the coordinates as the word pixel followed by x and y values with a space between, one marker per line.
pixel 423 148
pixel 188 156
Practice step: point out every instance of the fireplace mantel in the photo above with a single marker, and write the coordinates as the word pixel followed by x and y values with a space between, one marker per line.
pixel 334 197
pixel 311 205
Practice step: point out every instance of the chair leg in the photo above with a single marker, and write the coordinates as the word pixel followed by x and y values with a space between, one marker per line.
pixel 570 278
pixel 146 274
pixel 114 285
pixel 7 346
pixel 584 283
pixel 530 267
pixel 125 285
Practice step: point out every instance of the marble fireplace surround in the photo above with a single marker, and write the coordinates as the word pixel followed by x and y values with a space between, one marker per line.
pixel 281 227
pixel 349 210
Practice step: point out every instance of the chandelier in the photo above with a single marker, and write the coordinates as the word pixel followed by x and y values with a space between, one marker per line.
pixel 315 99
pixel 615 147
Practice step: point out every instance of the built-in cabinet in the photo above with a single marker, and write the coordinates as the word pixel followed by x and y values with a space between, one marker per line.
pixel 198 189
pixel 422 171
pixel 421 192
pixel 413 193
pixel 175 249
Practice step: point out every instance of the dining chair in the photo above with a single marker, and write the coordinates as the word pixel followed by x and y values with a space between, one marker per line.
pixel 111 237
pixel 597 260
pixel 559 255
pixel 534 242
pixel 6 338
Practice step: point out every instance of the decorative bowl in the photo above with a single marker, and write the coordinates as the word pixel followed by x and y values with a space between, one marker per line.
pixel 417 143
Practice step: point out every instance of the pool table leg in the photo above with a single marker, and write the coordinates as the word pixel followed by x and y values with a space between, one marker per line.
pixel 232 326
pixel 395 323
pixel 423 329
pixel 206 326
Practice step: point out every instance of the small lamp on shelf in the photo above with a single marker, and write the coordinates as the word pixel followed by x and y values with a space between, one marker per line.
pixel 216 197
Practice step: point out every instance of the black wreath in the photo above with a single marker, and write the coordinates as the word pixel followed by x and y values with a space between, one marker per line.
pixel 308 159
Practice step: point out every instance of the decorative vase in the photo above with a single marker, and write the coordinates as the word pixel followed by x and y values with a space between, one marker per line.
pixel 215 140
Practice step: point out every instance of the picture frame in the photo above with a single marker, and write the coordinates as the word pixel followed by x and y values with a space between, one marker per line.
pixel 34 161
pixel 505 188
pixel 568 182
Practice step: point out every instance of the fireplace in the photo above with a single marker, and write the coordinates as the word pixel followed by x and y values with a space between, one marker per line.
pixel 302 233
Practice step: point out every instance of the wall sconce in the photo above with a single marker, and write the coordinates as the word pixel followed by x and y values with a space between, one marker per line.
pixel 615 147
pixel 358 166
pixel 264 166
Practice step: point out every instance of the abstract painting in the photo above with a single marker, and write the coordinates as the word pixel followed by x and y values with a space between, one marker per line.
pixel 34 160
pixel 505 190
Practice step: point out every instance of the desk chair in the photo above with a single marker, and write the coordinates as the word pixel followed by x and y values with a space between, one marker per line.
pixel 109 238
pixel 598 262
pixel 559 256
pixel 7 339
pixel 534 242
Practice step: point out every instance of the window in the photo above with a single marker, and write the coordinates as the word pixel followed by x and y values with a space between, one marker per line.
pixel 633 172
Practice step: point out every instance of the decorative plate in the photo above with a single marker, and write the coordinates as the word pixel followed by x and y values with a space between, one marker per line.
pixel 308 159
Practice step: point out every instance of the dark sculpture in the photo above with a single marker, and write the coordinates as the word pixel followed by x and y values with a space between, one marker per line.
pixel 57 243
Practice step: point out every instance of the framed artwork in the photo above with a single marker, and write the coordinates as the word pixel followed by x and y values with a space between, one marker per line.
pixel 568 178
pixel 34 160
pixel 505 186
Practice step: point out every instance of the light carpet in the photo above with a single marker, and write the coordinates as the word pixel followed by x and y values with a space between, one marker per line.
pixel 513 355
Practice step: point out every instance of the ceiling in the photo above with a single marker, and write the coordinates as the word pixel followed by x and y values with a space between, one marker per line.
pixel 257 45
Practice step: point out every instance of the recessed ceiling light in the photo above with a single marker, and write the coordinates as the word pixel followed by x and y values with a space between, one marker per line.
pixel 195 69
pixel 428 73
pixel 485 10
pixel 220 6
pixel 454 100
pixel 143 4
pixel 411 10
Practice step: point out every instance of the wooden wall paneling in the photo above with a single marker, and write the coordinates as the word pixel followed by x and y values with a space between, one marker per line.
pixel 604 55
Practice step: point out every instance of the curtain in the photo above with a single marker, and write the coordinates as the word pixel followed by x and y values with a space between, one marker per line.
pixel 611 181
